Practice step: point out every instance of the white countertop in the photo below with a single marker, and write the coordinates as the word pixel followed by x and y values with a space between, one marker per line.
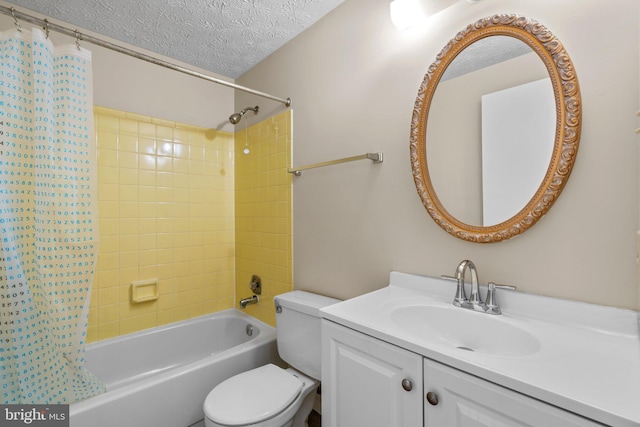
pixel 588 361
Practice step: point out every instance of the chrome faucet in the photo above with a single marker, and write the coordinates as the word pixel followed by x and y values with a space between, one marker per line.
pixel 248 301
pixel 255 285
pixel 474 302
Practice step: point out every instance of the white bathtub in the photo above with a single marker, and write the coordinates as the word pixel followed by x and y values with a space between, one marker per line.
pixel 160 377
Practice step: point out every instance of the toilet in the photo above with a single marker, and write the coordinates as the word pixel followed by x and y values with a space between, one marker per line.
pixel 270 396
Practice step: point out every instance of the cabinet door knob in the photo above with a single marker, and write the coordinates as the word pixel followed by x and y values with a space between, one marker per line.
pixel 407 384
pixel 432 398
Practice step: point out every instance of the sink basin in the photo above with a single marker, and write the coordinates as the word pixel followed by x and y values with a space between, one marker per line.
pixel 466 330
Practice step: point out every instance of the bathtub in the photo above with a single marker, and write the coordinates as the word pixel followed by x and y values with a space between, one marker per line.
pixel 160 377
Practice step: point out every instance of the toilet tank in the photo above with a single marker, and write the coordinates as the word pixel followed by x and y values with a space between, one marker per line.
pixel 298 329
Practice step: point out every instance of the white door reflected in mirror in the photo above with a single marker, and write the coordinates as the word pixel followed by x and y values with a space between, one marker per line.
pixel 518 127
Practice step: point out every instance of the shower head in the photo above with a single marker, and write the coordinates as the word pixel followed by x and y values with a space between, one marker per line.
pixel 236 117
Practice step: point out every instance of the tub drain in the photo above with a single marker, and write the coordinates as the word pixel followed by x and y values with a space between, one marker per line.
pixel 465 348
pixel 249 330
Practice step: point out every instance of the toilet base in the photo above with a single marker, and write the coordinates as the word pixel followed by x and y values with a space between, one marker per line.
pixel 300 420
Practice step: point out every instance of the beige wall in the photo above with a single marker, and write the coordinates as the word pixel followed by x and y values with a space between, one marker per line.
pixel 353 79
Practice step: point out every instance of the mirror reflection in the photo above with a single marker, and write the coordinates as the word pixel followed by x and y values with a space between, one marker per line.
pixel 495 129
pixel 491 130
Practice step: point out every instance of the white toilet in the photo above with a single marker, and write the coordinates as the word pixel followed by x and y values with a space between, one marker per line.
pixel 270 396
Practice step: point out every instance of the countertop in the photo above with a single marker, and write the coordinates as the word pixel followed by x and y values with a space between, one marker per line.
pixel 588 361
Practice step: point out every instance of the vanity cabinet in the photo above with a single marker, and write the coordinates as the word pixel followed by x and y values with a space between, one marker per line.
pixel 369 382
pixel 457 399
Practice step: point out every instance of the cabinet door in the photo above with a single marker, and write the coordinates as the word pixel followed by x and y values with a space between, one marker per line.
pixel 362 381
pixel 464 400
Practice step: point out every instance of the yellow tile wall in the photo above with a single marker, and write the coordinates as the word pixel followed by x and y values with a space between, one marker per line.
pixel 263 212
pixel 166 209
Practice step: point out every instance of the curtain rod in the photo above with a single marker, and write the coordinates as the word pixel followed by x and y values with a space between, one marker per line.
pixel 45 24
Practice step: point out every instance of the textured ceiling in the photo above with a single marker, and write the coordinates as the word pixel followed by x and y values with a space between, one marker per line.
pixel 484 53
pixel 227 37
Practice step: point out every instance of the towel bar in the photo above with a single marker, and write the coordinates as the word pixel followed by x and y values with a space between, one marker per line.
pixel 376 157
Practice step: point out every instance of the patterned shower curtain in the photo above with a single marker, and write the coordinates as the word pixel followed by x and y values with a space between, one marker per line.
pixel 48 219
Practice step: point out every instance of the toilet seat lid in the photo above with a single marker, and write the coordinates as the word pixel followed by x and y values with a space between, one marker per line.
pixel 252 396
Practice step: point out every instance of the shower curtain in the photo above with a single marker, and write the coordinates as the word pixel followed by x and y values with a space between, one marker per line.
pixel 48 219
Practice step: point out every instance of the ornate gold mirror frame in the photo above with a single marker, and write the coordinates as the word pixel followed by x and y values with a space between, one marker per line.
pixel 567 134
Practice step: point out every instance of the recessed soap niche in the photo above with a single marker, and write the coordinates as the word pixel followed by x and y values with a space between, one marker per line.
pixel 144 291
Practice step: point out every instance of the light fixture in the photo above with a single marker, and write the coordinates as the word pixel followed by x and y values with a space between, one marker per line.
pixel 410 13
pixel 406 13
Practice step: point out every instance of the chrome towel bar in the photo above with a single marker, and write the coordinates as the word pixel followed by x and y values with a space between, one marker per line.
pixel 376 157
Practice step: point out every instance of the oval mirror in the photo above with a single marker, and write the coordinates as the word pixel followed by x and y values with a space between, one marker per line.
pixel 495 129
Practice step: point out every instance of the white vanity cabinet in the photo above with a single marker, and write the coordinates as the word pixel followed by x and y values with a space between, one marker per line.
pixel 369 382
pixel 544 362
pixel 457 399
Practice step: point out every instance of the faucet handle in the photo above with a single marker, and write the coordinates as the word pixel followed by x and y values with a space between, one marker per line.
pixel 492 303
pixel 507 287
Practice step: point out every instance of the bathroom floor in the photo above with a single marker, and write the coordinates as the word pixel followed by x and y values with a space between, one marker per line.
pixel 314 419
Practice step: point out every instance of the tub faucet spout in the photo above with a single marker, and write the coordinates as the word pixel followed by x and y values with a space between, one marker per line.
pixel 248 301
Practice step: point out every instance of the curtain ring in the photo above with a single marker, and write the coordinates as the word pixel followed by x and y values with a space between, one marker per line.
pixel 13 13
pixel 46 28
pixel 78 38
